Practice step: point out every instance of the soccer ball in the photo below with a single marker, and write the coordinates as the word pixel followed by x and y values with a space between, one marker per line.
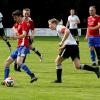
pixel 9 82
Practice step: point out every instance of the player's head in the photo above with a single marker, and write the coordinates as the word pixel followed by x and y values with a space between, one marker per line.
pixel 53 23
pixel 17 15
pixel 72 11
pixel 92 10
pixel 26 12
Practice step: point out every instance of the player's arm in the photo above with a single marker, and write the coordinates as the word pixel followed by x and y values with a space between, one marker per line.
pixel 95 27
pixel 86 36
pixel 78 20
pixel 20 36
pixel 66 34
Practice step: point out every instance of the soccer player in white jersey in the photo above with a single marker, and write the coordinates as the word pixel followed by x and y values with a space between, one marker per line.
pixel 72 23
pixel 68 48
pixel 2 33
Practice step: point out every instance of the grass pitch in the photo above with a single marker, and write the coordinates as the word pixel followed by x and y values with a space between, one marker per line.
pixel 77 84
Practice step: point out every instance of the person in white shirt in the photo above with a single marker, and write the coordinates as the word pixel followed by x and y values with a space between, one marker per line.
pixel 2 33
pixel 72 23
pixel 68 48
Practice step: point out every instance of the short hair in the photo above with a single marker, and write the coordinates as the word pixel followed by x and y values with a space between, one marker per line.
pixel 53 20
pixel 93 7
pixel 17 13
pixel 27 9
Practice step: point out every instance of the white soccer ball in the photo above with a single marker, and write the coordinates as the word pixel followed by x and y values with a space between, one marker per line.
pixel 9 82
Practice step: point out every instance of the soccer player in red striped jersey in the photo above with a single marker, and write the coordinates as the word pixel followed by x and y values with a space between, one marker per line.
pixel 93 34
pixel 30 24
pixel 22 48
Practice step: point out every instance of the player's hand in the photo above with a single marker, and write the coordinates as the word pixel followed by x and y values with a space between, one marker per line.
pixel 61 43
pixel 91 28
pixel 61 48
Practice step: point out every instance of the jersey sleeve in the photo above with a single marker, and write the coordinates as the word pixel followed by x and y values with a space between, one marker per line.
pixel 63 29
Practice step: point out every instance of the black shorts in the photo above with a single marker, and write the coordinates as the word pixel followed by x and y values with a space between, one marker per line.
pixel 2 33
pixel 70 51
pixel 74 32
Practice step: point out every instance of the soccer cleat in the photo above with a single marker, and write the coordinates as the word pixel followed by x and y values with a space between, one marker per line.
pixel 57 81
pixel 41 58
pixel 33 79
pixel 98 72
pixel 94 64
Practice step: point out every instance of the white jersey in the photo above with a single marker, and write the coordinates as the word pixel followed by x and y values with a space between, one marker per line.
pixel 70 40
pixel 1 16
pixel 73 21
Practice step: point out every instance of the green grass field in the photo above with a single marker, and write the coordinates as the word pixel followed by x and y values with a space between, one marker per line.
pixel 77 84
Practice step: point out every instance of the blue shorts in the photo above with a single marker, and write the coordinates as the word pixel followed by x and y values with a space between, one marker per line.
pixel 94 41
pixel 20 51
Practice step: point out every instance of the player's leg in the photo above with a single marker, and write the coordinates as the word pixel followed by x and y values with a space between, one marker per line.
pixel 16 67
pixel 58 62
pixel 98 54
pixel 97 48
pixel 5 38
pixel 36 52
pixel 92 55
pixel 20 63
pixel 25 68
pixel 7 65
pixel 34 49
pixel 86 67
pixel 76 59
pixel 92 52
pixel 64 53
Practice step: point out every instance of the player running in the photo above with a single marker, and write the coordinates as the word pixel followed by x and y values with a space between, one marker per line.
pixel 30 23
pixel 68 48
pixel 2 33
pixel 22 48
pixel 72 23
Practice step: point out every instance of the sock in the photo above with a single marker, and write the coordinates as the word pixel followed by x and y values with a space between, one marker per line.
pixel 6 72
pixel 93 56
pixel 8 44
pixel 59 74
pixel 37 52
pixel 88 68
pixel 26 69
